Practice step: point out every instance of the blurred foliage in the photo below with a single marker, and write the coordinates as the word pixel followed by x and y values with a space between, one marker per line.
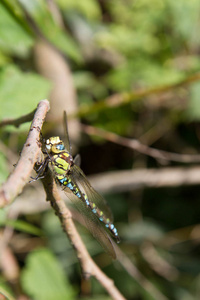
pixel 116 46
pixel 11 82
pixel 44 279
pixel 4 168
pixel 14 39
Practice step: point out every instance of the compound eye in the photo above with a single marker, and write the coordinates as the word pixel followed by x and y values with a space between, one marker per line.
pixel 60 147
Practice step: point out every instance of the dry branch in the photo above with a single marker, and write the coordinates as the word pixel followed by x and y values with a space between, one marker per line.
pixel 29 155
pixel 129 180
pixel 138 146
pixel 17 122
pixel 52 65
pixel 145 284
pixel 120 99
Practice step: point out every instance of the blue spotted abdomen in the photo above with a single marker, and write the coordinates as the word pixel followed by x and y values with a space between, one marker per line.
pixel 66 182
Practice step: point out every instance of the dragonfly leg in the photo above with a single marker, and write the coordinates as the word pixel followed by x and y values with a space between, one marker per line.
pixel 41 170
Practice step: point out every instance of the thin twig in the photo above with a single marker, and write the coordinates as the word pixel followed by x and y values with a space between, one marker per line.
pixel 117 100
pixel 52 65
pixel 89 268
pixel 138 146
pixel 4 294
pixel 30 152
pixel 145 284
pixel 158 263
pixel 128 180
pixel 125 98
pixel 17 122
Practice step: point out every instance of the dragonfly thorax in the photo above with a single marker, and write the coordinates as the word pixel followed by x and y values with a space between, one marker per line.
pixel 60 159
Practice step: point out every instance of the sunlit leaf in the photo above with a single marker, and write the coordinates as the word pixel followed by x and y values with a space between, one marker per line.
pixel 22 226
pixel 39 11
pixel 193 112
pixel 88 8
pixel 20 92
pixel 187 22
pixel 3 168
pixel 13 38
pixel 43 278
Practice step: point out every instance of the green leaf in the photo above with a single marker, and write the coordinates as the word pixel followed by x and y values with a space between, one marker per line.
pixel 2 215
pixel 22 226
pixel 4 291
pixel 3 168
pixel 4 60
pixel 88 8
pixel 13 38
pixel 44 279
pixel 20 92
pixel 64 42
pixel 193 111
pixel 39 11
pixel 142 71
pixel 186 19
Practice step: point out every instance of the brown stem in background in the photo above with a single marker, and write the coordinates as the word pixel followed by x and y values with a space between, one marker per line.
pixel 53 66
pixel 129 180
pixel 158 263
pixel 139 277
pixel 138 146
pixel 128 97
pixel 17 122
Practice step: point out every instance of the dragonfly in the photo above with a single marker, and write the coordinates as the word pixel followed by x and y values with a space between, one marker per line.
pixel 97 215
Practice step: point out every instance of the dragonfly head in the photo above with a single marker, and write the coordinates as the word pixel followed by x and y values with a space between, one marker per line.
pixel 54 145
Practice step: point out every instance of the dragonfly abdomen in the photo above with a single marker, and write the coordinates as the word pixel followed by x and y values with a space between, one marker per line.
pixel 64 181
pixel 105 220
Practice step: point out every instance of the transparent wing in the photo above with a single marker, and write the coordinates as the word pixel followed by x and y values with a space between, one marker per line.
pixel 67 140
pixel 92 195
pixel 91 222
pixel 77 160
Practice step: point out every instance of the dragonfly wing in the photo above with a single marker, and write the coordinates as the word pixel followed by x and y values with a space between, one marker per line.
pixel 77 160
pixel 91 222
pixel 67 140
pixel 92 195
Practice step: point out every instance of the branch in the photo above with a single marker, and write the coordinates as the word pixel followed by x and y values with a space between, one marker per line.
pixel 138 146
pixel 17 122
pixel 89 268
pixel 158 263
pixel 145 284
pixel 120 181
pixel 125 98
pixel 29 155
